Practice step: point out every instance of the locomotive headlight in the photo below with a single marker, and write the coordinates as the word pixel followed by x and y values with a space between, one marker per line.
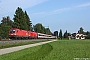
pixel 14 34
pixel 10 34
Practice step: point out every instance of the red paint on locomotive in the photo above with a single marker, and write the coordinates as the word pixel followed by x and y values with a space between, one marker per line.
pixel 33 34
pixel 14 32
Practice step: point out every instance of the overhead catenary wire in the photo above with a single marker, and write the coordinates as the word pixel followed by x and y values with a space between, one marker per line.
pixel 9 13
pixel 5 10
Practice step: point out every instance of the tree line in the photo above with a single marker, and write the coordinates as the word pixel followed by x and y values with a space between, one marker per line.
pixel 20 20
pixel 66 34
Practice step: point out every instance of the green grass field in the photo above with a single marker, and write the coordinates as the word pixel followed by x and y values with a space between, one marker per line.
pixel 59 50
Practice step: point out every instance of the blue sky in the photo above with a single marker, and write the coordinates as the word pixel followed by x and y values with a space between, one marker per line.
pixel 67 15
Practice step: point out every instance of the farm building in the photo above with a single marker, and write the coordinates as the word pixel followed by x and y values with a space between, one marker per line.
pixel 77 36
pixel 80 36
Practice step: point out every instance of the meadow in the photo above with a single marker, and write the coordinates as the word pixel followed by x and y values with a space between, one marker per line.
pixel 58 50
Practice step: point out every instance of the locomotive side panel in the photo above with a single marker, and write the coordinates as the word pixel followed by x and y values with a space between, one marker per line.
pixel 17 33
pixel 33 35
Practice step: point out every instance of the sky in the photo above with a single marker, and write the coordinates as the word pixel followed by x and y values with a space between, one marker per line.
pixel 67 15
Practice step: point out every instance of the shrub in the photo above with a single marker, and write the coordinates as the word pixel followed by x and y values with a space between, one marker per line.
pixel 0 38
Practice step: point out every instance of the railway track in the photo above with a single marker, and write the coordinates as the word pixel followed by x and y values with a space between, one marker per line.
pixel 20 41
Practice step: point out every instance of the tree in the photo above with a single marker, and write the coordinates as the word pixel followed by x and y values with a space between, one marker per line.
pixel 4 29
pixel 20 19
pixel 47 31
pixel 87 35
pixel 69 34
pixel 66 34
pixel 39 28
pixel 56 33
pixel 60 34
pixel 29 24
pixel 5 26
pixel 81 31
pixel 6 21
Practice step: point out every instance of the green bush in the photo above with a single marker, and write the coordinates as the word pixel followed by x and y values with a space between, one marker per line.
pixel 0 38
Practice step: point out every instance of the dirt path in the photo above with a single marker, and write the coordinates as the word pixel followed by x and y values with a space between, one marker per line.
pixel 12 49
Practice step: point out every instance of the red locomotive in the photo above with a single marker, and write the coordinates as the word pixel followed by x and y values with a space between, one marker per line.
pixel 18 33
pixel 32 34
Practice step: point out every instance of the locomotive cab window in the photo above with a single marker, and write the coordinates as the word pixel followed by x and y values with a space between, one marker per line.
pixel 12 31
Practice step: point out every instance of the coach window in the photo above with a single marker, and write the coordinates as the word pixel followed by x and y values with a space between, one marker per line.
pixel 40 35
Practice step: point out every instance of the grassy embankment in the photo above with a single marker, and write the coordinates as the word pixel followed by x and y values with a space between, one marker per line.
pixel 59 50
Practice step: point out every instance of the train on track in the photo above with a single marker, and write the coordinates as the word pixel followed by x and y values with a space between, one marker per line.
pixel 16 33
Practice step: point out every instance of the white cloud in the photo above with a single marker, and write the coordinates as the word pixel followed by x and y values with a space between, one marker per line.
pixel 71 8
pixel 9 6
pixel 20 3
pixel 42 14
pixel 61 10
pixel 38 14
pixel 82 5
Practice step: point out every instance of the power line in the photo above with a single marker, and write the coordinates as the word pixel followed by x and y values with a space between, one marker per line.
pixel 5 10
pixel 9 13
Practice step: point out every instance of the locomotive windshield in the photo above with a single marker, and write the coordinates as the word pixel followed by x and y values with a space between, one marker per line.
pixel 12 31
